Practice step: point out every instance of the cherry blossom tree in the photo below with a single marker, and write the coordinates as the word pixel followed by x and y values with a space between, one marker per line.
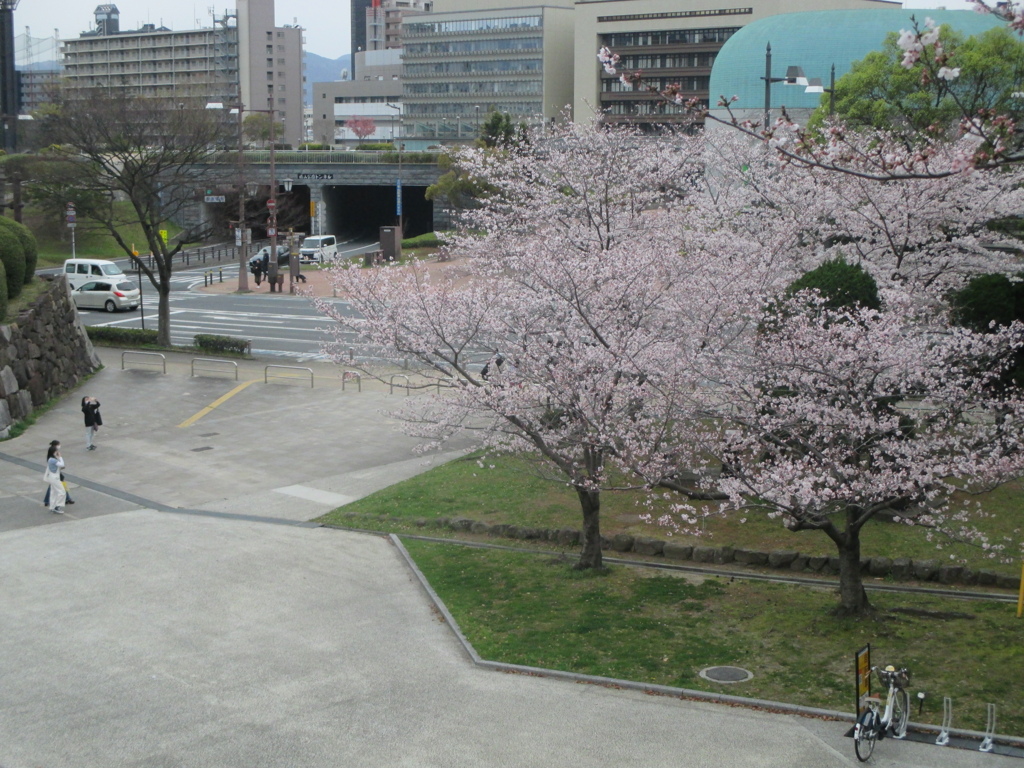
pixel 825 417
pixel 555 344
pixel 612 316
pixel 833 416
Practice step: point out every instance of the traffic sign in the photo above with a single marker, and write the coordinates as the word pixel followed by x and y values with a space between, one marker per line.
pixel 215 199
pixel 271 231
pixel 271 203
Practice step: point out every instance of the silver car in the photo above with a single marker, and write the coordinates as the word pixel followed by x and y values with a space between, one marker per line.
pixel 104 294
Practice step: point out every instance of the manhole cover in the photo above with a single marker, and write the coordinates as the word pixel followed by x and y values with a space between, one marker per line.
pixel 726 674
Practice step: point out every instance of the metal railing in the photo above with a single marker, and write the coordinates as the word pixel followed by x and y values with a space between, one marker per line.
pixel 327 157
pixel 162 363
pixel 222 253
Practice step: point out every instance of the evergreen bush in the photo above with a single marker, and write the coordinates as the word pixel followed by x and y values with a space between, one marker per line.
pixel 13 257
pixel 842 285
pixel 28 245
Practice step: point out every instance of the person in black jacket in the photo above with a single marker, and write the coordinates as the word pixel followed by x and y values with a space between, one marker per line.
pixel 93 420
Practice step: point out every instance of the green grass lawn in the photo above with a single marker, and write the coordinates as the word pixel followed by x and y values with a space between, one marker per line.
pixel 90 242
pixel 507 490
pixel 636 625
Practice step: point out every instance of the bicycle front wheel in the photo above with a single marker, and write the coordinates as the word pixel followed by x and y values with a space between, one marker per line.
pixel 900 713
pixel 864 735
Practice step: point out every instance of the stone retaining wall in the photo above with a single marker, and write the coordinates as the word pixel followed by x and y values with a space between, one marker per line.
pixel 900 568
pixel 44 353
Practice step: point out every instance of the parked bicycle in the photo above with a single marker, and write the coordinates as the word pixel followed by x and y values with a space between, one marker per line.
pixel 871 725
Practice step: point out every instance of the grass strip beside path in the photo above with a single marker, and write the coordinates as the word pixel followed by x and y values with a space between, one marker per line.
pixel 632 624
pixel 506 490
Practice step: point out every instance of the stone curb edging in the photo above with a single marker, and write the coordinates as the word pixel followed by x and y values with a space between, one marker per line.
pixel 661 690
pixel 900 568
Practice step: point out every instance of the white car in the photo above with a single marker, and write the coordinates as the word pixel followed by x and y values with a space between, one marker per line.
pixel 318 249
pixel 104 294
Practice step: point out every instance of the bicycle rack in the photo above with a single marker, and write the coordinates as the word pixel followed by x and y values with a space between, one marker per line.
pixel 990 729
pixel 947 722
pixel 266 373
pixel 351 375
pixel 208 369
pixel 162 363
pixel 391 384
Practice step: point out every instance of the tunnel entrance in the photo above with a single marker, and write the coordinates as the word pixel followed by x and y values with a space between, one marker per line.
pixel 360 211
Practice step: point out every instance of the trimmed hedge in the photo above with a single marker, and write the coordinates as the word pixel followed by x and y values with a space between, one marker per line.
pixel 13 257
pixel 127 337
pixel 211 343
pixel 376 146
pixel 426 240
pixel 28 245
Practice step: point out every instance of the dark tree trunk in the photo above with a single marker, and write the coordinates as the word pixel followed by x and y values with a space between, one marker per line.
pixel 163 337
pixel 853 600
pixel 590 503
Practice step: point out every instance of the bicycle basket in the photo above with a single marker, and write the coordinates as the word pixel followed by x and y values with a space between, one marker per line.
pixel 898 677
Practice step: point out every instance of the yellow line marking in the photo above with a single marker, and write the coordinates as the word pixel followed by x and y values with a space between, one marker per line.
pixel 219 401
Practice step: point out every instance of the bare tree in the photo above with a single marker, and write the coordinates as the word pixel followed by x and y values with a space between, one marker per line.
pixel 136 161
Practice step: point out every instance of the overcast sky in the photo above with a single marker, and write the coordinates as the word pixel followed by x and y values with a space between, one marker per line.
pixel 326 22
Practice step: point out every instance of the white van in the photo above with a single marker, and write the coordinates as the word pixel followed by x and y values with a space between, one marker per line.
pixel 318 248
pixel 81 271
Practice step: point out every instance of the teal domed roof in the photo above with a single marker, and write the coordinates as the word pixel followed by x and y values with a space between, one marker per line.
pixel 815 40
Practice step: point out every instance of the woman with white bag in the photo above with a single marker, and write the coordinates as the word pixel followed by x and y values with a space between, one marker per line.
pixel 54 465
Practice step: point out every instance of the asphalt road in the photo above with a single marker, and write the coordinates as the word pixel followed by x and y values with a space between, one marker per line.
pixel 278 326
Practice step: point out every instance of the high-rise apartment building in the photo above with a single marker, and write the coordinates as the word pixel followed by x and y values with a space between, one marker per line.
pixel 243 58
pixel 384 21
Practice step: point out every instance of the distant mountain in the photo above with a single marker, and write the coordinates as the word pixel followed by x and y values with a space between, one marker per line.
pixel 43 65
pixel 322 70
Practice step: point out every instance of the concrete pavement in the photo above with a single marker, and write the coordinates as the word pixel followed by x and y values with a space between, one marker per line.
pixel 182 613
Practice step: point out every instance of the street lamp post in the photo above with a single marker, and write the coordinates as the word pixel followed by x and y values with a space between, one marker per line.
pixel 794 76
pixel 242 231
pixel 814 86
pixel 398 183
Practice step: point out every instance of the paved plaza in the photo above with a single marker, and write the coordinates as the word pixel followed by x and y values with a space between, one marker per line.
pixel 185 613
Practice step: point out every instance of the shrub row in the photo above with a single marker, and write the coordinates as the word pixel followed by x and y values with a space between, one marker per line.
pixel 900 568
pixel 211 343
pixel 125 337
pixel 426 240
